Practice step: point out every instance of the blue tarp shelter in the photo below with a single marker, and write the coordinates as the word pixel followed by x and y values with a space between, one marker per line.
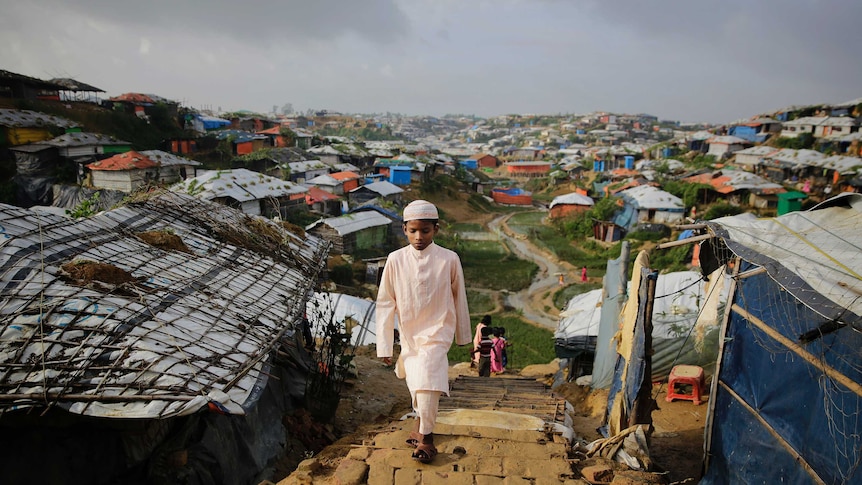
pixel 786 400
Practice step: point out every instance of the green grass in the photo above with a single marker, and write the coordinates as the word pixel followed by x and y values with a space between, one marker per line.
pixel 529 344
pixel 479 303
pixel 526 223
pixel 487 265
pixel 562 296
pixel 465 227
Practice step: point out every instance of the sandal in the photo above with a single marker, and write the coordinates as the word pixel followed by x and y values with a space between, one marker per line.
pixel 425 451
pixel 414 439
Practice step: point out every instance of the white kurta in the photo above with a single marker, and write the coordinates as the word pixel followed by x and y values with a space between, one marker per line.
pixel 425 289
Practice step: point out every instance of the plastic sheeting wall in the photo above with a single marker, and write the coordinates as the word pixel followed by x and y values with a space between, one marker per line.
pixel 775 397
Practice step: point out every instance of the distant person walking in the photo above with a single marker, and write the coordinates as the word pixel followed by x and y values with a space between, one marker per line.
pixel 486 321
pixel 484 351
pixel 584 274
pixel 497 352
pixel 423 286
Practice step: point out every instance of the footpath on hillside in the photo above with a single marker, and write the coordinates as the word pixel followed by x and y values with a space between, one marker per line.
pixel 532 301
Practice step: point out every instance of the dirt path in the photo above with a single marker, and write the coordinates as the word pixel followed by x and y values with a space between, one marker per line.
pixel 535 302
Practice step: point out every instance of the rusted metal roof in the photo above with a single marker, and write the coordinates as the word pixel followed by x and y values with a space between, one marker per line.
pixel 130 160
pixel 342 176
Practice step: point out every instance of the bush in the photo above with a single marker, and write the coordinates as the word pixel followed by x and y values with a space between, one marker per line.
pixel 803 141
pixel 721 210
pixel 342 275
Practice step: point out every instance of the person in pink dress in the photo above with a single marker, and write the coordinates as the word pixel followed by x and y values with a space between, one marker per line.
pixel 497 353
pixel 584 274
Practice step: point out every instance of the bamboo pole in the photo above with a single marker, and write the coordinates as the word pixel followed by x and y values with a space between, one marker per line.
pixel 685 241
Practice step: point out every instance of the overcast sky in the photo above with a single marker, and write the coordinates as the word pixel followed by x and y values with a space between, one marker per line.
pixel 689 60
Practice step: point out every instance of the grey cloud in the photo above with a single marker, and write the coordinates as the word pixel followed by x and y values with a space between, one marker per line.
pixel 258 22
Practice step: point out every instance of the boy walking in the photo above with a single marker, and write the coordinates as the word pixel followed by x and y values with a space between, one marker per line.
pixel 484 350
pixel 423 286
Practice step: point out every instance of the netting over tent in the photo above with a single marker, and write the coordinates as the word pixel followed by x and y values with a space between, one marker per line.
pixel 155 309
pixel 786 401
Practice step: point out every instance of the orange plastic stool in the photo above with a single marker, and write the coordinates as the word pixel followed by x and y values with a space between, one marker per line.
pixel 682 375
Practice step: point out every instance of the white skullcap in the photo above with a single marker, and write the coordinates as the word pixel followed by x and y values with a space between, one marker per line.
pixel 420 209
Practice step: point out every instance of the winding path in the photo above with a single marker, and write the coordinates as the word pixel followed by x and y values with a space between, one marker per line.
pixel 531 301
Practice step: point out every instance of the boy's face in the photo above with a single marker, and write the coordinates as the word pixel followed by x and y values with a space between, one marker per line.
pixel 420 233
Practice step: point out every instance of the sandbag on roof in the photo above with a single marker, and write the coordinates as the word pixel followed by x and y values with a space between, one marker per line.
pixel 155 309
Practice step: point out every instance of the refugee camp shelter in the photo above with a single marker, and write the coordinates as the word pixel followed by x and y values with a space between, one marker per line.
pixel 152 343
pixel 125 172
pixel 354 315
pixel 786 398
pixel 572 203
pixel 646 203
pixel 684 319
pixel 350 232
pixel 252 192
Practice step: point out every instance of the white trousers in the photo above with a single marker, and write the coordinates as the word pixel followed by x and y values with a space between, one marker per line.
pixel 426 403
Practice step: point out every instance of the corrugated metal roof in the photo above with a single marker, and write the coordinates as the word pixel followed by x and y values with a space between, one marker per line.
pixel 325 180
pixel 841 164
pixel 727 140
pixel 239 184
pixel 238 136
pixel 166 159
pixel 31 119
pixel 759 150
pixel 73 85
pixel 306 165
pixel 796 157
pixel 130 160
pixel 382 187
pixel 350 223
pixel 97 321
pixel 324 150
pixel 728 181
pixel 85 139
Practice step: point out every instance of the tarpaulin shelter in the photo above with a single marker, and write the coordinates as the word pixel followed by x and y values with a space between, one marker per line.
pixel 685 321
pixel 354 315
pixel 132 333
pixel 786 399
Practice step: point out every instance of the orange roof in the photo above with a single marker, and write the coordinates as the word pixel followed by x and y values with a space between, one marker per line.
pixel 344 175
pixel 275 130
pixel 316 194
pixel 130 160
pixel 133 98
pixel 624 172
pixel 719 184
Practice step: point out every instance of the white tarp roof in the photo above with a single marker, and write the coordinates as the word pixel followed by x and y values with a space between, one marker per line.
pixel 325 308
pixel 239 184
pixel 350 223
pixel 381 187
pixel 573 198
pixel 649 197
pixel 184 328
pixel 842 164
pixel 678 302
pixel 815 250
